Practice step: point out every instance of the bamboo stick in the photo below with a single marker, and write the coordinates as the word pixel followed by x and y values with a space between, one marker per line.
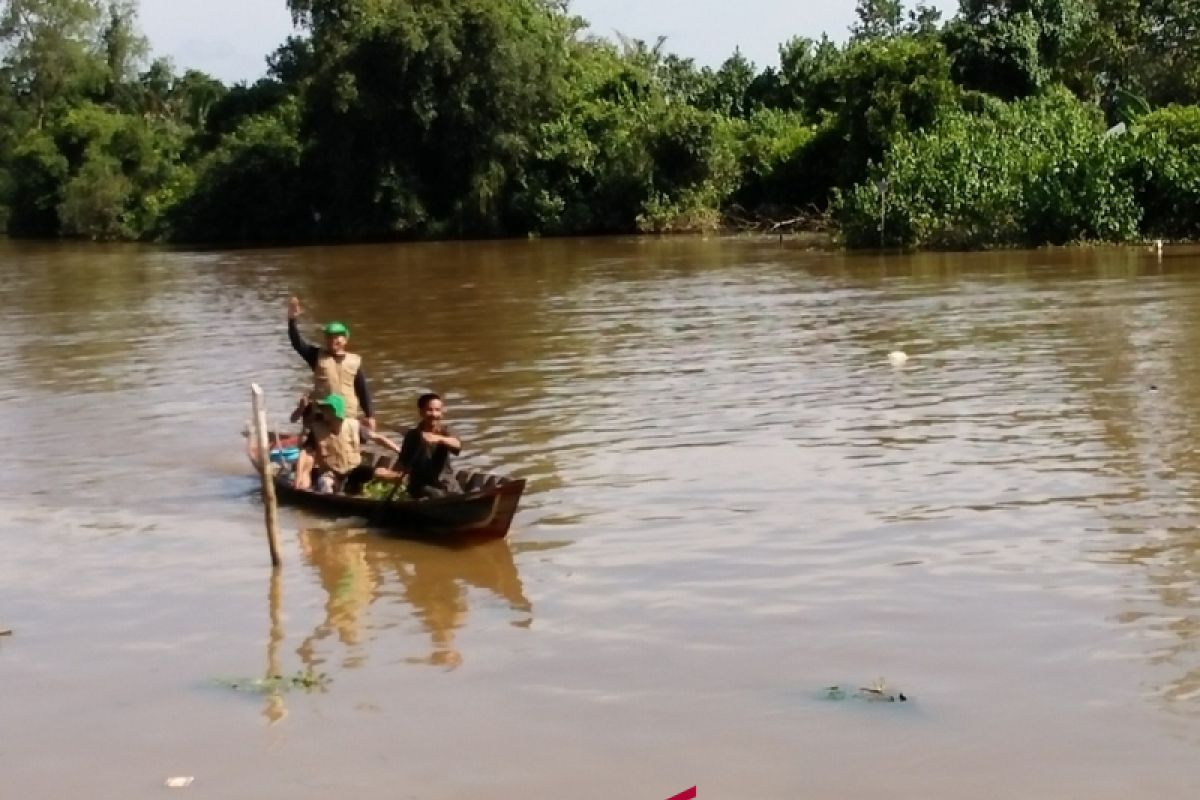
pixel 265 472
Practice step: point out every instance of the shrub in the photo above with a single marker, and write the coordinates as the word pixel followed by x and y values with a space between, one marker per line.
pixel 1163 164
pixel 1038 171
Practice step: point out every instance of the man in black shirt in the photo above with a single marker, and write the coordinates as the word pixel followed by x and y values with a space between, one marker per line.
pixel 426 450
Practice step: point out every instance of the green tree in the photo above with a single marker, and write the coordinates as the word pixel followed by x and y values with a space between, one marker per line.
pixel 682 80
pixel 1014 48
pixel 124 47
pixel 924 20
pixel 94 202
pixel 10 129
pixel 877 19
pixel 38 174
pixel 293 62
pixel 727 89
pixel 624 152
pixel 807 75
pixel 772 161
pixel 1163 164
pixel 888 88
pixel 123 172
pixel 250 188
pixel 195 95
pixel 1165 58
pixel 239 102
pixel 695 169
pixel 48 49
pixel 589 169
pixel 155 87
pixel 420 112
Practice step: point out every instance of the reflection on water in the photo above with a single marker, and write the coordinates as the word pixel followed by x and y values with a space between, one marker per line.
pixel 360 572
pixel 275 709
pixel 1172 566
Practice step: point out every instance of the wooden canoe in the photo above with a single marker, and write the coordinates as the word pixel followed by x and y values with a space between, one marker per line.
pixel 483 512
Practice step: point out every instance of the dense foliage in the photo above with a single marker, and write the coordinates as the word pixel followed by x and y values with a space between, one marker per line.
pixel 1040 170
pixel 389 119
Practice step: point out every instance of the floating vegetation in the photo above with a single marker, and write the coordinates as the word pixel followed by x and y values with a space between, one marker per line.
pixel 273 684
pixel 877 692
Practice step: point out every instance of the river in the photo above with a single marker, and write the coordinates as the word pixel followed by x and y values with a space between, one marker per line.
pixel 735 502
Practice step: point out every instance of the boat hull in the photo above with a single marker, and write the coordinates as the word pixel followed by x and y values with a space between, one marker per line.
pixel 479 515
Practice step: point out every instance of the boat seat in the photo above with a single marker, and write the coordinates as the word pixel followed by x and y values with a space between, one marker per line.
pixel 471 480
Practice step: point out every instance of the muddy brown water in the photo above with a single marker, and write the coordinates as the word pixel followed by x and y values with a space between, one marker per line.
pixel 735 501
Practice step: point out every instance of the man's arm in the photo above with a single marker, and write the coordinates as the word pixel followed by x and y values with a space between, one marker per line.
pixel 446 438
pixel 400 469
pixel 301 407
pixel 364 398
pixel 308 352
pixel 379 438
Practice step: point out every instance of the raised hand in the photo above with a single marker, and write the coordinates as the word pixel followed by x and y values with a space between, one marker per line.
pixel 294 309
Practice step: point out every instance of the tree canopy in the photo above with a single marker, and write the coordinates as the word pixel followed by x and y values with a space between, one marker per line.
pixel 384 119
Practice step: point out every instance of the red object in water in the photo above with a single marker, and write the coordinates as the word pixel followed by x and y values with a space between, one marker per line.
pixel 687 795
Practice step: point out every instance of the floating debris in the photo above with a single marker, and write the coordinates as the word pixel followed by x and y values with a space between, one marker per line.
pixel 180 783
pixel 272 684
pixel 877 692
pixel 898 358
pixel 5 631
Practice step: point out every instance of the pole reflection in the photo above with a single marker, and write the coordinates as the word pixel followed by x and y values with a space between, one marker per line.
pixel 275 710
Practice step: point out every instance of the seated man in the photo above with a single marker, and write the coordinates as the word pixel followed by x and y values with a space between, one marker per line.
pixel 426 450
pixel 335 452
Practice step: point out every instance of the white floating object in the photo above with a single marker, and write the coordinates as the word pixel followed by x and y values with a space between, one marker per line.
pixel 181 782
pixel 897 357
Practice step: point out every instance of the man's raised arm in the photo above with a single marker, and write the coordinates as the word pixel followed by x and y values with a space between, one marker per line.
pixel 308 352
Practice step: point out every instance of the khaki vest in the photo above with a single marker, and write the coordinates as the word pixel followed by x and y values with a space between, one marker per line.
pixel 339 452
pixel 333 377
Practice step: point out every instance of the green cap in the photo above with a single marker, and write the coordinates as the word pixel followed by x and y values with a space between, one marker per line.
pixel 335 402
pixel 336 329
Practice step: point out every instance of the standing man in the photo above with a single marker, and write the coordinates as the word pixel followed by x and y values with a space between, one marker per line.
pixel 335 370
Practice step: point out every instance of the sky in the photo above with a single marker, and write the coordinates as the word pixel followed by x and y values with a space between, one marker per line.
pixel 230 39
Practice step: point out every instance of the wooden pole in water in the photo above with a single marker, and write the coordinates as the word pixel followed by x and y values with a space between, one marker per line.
pixel 265 472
